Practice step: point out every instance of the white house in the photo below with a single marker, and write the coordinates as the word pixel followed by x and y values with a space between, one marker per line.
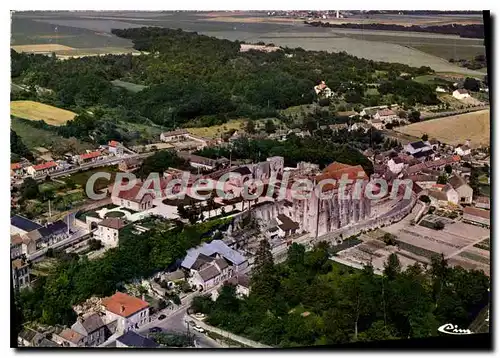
pixel 415 147
pixel 208 272
pixel 115 147
pixel 41 169
pixel 386 115
pixel 463 150
pixel 440 89
pixel 461 93
pixel 108 231
pixel 130 312
pixel 16 243
pixel 20 273
pixel 364 126
pixel 322 90
pixel 203 275
pixel 442 195
pixel 174 136
pixel 133 199
pixel 463 189
pixel 396 165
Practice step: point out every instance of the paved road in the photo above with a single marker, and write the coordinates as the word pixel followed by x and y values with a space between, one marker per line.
pixel 175 322
pixel 101 163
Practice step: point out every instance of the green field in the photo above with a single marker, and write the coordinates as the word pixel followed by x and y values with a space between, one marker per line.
pixel 132 87
pixel 432 80
pixel 35 137
pixel 81 178
pixel 216 131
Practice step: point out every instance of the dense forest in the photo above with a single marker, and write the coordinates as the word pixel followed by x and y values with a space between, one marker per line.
pixel 190 76
pixel 311 300
pixel 468 31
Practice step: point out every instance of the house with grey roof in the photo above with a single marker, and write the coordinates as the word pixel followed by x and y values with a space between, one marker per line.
pixel 21 225
pixel 135 340
pixel 92 328
pixel 212 263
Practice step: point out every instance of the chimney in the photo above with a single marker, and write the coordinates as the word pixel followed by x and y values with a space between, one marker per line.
pixel 122 308
pixel 142 297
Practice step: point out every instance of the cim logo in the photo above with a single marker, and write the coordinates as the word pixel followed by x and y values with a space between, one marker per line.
pixel 449 328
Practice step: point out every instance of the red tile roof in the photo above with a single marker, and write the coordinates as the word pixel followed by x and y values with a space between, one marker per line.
pixel 90 155
pixel 43 166
pixel 113 143
pixel 485 214
pixel 113 223
pixel 71 335
pixel 16 239
pixel 133 194
pixel 124 305
pixel 337 170
pixel 386 112
pixel 15 166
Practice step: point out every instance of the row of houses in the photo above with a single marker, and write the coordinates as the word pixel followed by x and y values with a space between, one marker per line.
pixel 48 166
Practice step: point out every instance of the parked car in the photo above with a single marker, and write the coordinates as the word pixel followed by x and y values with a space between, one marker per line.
pixel 199 329
pixel 199 315
pixel 155 329
pixel 162 316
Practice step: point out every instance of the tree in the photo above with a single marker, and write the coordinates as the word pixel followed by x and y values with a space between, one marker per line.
pixel 425 199
pixel 389 239
pixel 392 267
pixel 94 244
pixel 472 84
pixel 414 116
pixel 270 127
pixel 182 212
pixel 250 126
pixel 448 169
pixel 264 281
pixel 425 137
pixel 295 257
pixel 29 189
pixel 442 179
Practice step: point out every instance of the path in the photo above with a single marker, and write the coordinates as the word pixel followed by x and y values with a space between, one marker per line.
pixel 466 247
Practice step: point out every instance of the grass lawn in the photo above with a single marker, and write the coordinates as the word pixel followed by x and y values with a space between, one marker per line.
pixel 485 190
pixel 132 87
pixel 371 92
pixel 216 131
pixel 35 137
pixel 36 111
pixel 82 215
pixel 114 214
pixel 81 178
pixel 50 185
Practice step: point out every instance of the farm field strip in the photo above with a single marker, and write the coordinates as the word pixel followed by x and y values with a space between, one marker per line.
pixel 454 130
pixel 36 111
